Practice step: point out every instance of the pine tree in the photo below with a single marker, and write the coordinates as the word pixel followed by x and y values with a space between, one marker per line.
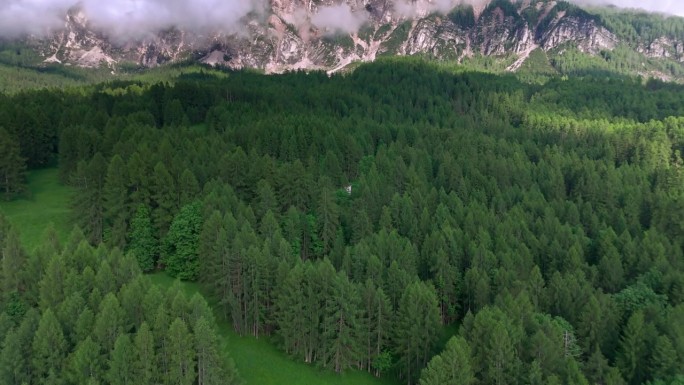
pixel 12 166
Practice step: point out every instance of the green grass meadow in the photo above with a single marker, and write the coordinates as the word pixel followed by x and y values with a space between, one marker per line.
pixel 258 361
pixel 45 203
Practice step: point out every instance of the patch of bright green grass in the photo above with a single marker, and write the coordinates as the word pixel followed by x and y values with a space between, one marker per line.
pixel 47 202
pixel 259 362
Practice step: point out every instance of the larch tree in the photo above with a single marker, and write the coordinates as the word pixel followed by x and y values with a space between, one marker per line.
pixel 416 328
pixel 451 367
pixel 144 365
pixel 85 363
pixel 181 354
pixel 48 350
pixel 122 362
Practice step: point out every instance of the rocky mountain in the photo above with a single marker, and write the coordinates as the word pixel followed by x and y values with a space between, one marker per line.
pixel 500 34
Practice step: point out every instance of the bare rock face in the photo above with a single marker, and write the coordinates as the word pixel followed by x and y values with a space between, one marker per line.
pixel 664 47
pixel 587 34
pixel 286 38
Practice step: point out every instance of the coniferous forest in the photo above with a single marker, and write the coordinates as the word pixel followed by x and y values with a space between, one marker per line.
pixel 352 219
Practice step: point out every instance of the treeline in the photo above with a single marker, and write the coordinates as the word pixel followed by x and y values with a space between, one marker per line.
pixel 352 217
pixel 74 314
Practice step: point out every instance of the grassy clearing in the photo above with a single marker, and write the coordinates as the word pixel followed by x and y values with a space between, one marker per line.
pixel 261 363
pixel 47 202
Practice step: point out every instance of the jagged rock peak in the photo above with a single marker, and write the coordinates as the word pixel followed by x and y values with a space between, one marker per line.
pixel 327 34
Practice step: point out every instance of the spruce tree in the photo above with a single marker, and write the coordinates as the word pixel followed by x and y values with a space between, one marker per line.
pixel 181 243
pixel 141 240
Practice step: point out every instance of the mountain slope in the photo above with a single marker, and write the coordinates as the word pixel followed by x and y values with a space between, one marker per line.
pixel 285 38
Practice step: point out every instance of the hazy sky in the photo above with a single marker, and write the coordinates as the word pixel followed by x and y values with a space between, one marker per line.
pixel 137 18
pixel 674 7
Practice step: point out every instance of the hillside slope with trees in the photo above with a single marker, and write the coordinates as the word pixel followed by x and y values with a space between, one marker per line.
pixel 352 217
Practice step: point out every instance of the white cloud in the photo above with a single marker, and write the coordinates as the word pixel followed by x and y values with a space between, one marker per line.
pixel 126 18
pixel 339 18
pixel 672 7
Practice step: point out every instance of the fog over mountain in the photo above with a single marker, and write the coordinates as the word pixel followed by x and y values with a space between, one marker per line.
pixel 135 19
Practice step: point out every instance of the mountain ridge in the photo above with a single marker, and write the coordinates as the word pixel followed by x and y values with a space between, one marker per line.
pixel 287 38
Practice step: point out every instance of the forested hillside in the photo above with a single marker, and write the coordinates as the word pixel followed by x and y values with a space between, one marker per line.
pixel 351 218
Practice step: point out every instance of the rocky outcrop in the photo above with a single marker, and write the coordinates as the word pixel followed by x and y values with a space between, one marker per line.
pixel 287 39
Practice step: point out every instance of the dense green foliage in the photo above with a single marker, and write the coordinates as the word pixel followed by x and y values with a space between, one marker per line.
pixel 75 314
pixel 350 217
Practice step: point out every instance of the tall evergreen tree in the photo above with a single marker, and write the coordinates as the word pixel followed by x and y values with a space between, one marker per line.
pixel 13 261
pixel 164 199
pixel 451 367
pixel 12 166
pixel 116 202
pixel 212 369
pixel 632 357
pixel 88 200
pixel 341 325
pixel 181 243
pixel 141 240
pixel 416 329
pixel 85 364
pixel 48 350
pixel 144 364
pixel 122 362
pixel 181 354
